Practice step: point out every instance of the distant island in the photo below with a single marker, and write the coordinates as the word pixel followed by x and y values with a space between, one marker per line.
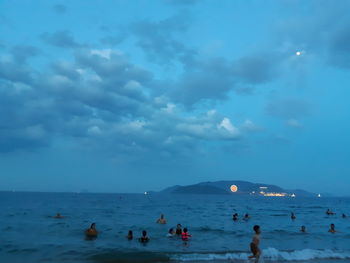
pixel 236 188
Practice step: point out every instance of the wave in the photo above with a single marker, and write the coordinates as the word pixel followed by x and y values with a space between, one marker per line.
pixel 271 254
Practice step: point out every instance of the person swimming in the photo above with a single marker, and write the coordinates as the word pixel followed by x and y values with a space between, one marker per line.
pixel 91 232
pixel 178 229
pixel 332 229
pixel 303 229
pixel 185 235
pixel 130 235
pixel 329 212
pixel 292 216
pixel 246 217
pixel 161 220
pixel 58 216
pixel 144 238
pixel 343 215
pixel 235 217
pixel 254 245
pixel 171 232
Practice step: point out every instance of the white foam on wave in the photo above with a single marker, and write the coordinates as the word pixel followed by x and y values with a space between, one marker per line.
pixel 304 254
pixel 271 254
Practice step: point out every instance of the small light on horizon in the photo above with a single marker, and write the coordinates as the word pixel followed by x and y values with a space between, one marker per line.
pixel 298 53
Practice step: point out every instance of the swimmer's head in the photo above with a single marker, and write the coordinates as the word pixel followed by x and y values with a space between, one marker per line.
pixel 130 233
pixel 144 233
pixel 161 216
pixel 332 226
pixel 178 226
pixel 185 230
pixel 93 225
pixel 303 228
pixel 257 229
pixel 171 230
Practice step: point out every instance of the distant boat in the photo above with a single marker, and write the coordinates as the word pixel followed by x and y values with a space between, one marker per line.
pixel 319 195
pixel 293 195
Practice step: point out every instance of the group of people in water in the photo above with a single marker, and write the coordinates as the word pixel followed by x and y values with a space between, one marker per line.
pixel 92 233
pixel 331 226
pixel 235 217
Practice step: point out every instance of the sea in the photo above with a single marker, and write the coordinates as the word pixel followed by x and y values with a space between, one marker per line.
pixel 30 233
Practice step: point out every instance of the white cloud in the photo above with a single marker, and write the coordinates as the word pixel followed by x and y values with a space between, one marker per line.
pixel 227 129
pixel 105 53
pixel 170 108
pixel 133 85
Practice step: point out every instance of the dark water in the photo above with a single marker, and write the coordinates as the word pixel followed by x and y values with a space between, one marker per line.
pixel 29 234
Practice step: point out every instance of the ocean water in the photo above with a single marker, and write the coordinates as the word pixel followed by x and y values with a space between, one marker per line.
pixel 30 234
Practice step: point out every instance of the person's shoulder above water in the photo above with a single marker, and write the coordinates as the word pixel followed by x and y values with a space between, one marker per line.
pixel 161 220
pixel 58 216
pixel 91 232
pixel 178 229
pixel 332 229
pixel 144 238
pixel 130 235
pixel 185 235
pixel 171 232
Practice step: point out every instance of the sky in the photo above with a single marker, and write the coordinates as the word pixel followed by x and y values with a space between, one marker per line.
pixel 131 96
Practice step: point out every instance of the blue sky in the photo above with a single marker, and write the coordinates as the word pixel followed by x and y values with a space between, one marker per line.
pixel 128 96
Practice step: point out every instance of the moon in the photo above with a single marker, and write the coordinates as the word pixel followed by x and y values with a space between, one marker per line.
pixel 234 188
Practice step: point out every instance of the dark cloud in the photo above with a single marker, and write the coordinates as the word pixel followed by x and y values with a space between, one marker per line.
pixel 63 39
pixel 112 66
pixel 13 70
pixel 208 80
pixel 66 69
pixel 59 9
pixel 14 67
pixel 159 39
pixel 212 79
pixel 288 108
pixel 256 69
pixel 22 52
pixel 19 128
pixel 104 101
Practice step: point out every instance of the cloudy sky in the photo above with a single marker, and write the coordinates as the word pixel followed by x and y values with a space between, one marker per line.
pixel 128 96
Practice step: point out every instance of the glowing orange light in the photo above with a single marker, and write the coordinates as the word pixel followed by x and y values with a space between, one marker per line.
pixel 234 188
